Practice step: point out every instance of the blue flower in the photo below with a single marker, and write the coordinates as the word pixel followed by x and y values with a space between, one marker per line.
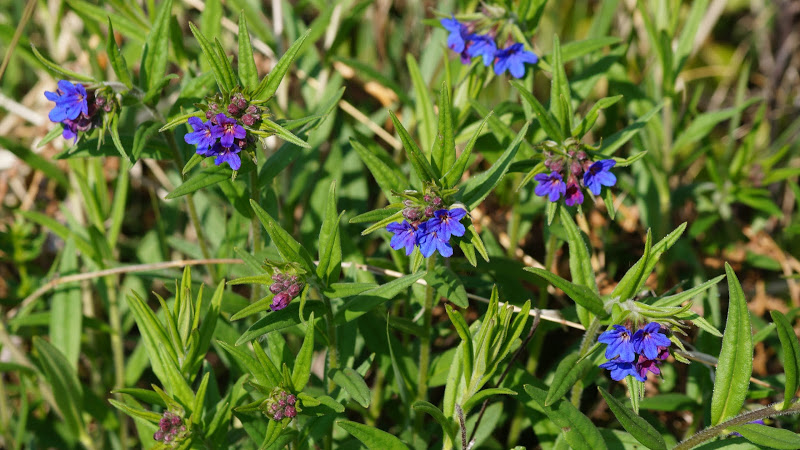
pixel 204 136
pixel 405 236
pixel 598 175
pixel 514 58
pixel 621 369
pixel 619 343
pixel 483 45
pixel 431 240
pixel 70 101
pixel 647 340
pixel 228 155
pixel 447 222
pixel 459 34
pixel 550 185
pixel 230 130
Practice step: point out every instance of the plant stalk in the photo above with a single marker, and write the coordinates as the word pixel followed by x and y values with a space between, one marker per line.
pixel 425 339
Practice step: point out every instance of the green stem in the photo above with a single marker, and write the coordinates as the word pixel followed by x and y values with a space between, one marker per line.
pixel 117 353
pixel 425 339
pixel 255 227
pixel 711 432
pixel 333 359
pixel 588 339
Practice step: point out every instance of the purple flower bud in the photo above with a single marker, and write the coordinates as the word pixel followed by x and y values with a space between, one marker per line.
pixel 437 201
pixel 280 301
pixel 576 168
pixel 169 437
pixel 275 288
pixel 429 211
pixel 210 114
pixel 233 110
pixel 278 277
pixel 291 399
pixel 295 289
pixel 253 109
pixel 278 416
pixel 248 120
pixel 408 203
pixel 241 103
pixel 100 101
pixel 411 214
pixel 281 403
pixel 571 153
pixel 176 420
pixel 293 278
pixel 107 107
pixel 582 155
pixel 290 411
pixel 556 165
pixel 158 435
pixel 547 163
pixel 427 198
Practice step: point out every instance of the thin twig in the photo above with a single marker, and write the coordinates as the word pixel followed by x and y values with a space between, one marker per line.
pixel 26 16
pixel 517 354
pixel 463 424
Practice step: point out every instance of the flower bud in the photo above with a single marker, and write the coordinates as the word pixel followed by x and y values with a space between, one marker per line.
pixel 291 399
pixel 280 301
pixel 209 114
pixel 254 110
pixel 426 198
pixel 411 214
pixel 576 168
pixel 556 165
pixel 248 120
pixel 278 277
pixel 241 103
pixel 429 211
pixel 290 411
pixel 295 289
pixel 233 110
pixel 581 155
pixel 276 288
pixel 158 435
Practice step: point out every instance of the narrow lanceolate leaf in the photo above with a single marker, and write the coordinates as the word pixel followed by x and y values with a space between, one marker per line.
pixel 248 74
pixel 479 187
pixel 559 92
pixel 633 424
pixel 330 247
pixel 444 150
pixel 116 59
pixel 353 383
pixel 546 121
pixel 454 173
pixel 280 320
pixel 791 356
pixel 482 395
pixel 447 426
pixel 418 159
pixel 768 437
pixel 633 280
pixel 424 105
pixel 591 117
pixel 64 383
pixel 571 369
pixel 736 357
pixel 580 262
pixel 269 84
pixel 156 49
pixel 612 143
pixel 302 365
pixel 153 334
pixel 290 249
pixel 636 276
pixel 57 70
pixel 581 295
pixel 66 313
pixel 579 432
pixel 383 169
pixel 468 350
pixel 370 299
pixel 213 59
pixel 372 438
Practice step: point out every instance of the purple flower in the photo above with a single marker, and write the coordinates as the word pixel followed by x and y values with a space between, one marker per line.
pixel 550 185
pixel 573 195
pixel 598 175
pixel 432 240
pixel 447 223
pixel 72 127
pixel 70 101
pixel 459 35
pixel 228 155
pixel 647 340
pixel 405 235
pixel 513 58
pixel 482 45
pixel 619 343
pixel 230 130
pixel 621 369
pixel 280 301
pixel 204 136
pixel 644 365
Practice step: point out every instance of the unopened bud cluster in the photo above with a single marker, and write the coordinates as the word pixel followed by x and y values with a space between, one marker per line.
pixel 170 428
pixel 571 169
pixel 238 108
pixel 280 404
pixel 285 288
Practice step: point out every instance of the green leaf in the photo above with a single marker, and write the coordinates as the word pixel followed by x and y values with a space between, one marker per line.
pixel 468 350
pixel 702 125
pixel 217 66
pixel 571 369
pixel 330 247
pixel 290 250
pixel 343 290
pixel 580 264
pixel 136 412
pixel 370 299
pixel 591 117
pixel 353 383
pixel 66 312
pixel 283 133
pixel 205 178
pixel 35 161
pixel 581 295
pixel 791 356
pixel 576 49
pixel 372 438
pixel 736 357
pixel 633 424
pixel 636 276
pixel 768 437
pixel 396 215
pixel 448 285
pixel 559 92
pixel 134 30
pixel 482 395
pixel 254 308
pixel 174 382
pixel 447 426
pixel 453 176
pixel 418 159
pixel 444 149
pixel 548 123
pixel 302 364
pixel 116 59
pixel 478 188
pixel 251 365
pixel 579 431
pixel 180 120
pixel 57 70
pixel 269 84
pixel 677 299
pixel 64 383
pixel 280 320
pixel 383 169
pixel 612 143
pixel 152 333
pixel 424 105
pixel 156 49
pixel 248 73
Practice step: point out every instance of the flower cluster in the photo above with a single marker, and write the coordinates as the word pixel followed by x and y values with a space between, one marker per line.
pixel 468 44
pixel 635 354
pixel 570 171
pixel 428 224
pixel 76 108
pixel 223 135
pixel 285 290
pixel 280 404
pixel 170 428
